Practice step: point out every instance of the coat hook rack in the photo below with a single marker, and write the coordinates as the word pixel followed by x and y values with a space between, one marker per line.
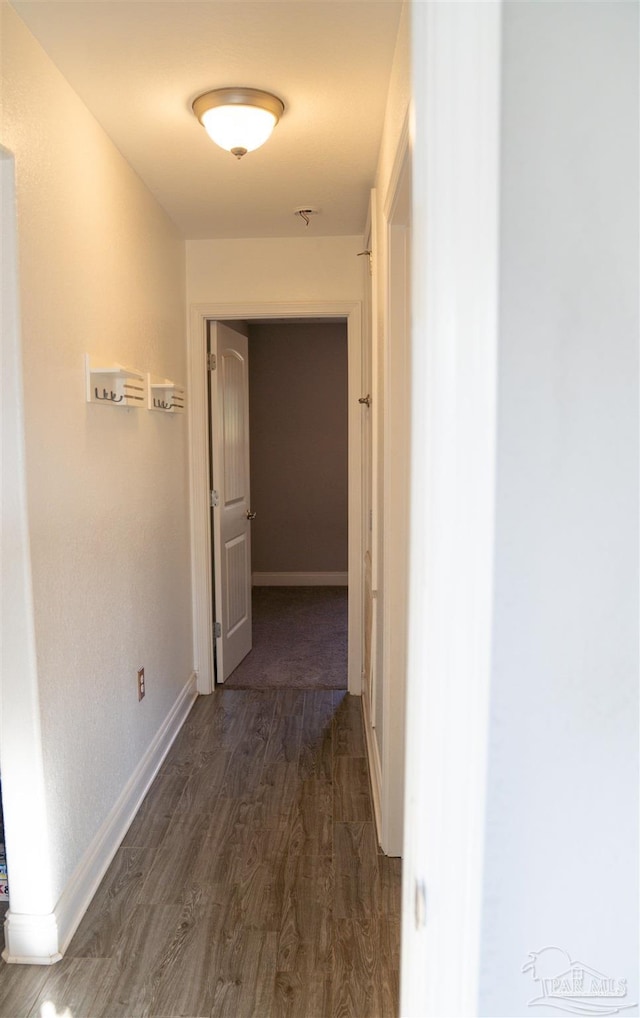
pixel 165 396
pixel 113 385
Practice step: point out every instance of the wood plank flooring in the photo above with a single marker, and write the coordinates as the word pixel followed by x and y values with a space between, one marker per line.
pixel 250 884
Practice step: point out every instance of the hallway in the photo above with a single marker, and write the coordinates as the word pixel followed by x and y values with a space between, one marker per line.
pixel 248 886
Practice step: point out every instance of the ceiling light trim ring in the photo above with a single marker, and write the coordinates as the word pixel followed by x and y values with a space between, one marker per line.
pixel 238 96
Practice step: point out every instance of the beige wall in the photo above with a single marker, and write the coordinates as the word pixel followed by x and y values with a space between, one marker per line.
pixel 101 271
pixel 398 100
pixel 274 269
pixel 299 478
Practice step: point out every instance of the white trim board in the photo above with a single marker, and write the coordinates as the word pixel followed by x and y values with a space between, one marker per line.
pixel 300 579
pixel 200 315
pixel 43 939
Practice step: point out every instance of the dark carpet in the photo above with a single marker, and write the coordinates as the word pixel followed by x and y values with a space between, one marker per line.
pixel 299 640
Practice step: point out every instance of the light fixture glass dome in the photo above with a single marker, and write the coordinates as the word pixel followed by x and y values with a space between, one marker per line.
pixel 244 127
pixel 238 119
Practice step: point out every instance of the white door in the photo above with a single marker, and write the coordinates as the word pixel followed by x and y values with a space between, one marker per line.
pixel 232 508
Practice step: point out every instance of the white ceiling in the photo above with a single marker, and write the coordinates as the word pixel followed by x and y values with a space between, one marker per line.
pixel 138 67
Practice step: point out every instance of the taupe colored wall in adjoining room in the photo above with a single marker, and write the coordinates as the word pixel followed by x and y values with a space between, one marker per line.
pixel 299 472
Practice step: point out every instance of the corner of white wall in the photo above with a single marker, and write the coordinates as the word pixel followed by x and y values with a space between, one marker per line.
pixel 42 938
pixel 21 760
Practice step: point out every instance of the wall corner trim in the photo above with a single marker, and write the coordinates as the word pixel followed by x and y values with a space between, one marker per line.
pixel 455 321
pixel 43 939
pixel 31 939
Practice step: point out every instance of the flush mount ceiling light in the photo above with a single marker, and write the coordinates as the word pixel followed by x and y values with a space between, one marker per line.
pixel 238 119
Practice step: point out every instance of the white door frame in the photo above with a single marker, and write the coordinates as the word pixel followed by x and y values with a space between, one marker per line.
pixel 202 598
pixel 390 483
pixel 456 151
pixel 396 473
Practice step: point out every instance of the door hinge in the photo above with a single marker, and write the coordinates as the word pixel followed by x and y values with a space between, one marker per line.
pixel 212 362
pixel 217 628
pixel 214 498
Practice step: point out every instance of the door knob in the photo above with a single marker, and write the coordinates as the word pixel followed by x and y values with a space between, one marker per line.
pixel 250 515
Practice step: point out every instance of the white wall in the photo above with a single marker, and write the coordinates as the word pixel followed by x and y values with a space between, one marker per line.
pixel 274 269
pixel 562 816
pixel 456 58
pixel 102 271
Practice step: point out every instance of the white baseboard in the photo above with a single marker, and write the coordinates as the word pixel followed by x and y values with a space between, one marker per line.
pixel 300 579
pixel 43 939
pixel 375 767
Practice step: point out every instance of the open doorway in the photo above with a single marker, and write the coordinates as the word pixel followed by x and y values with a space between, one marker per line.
pixel 290 517
pixel 347 311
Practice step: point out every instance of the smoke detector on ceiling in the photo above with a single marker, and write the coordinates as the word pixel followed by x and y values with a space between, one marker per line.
pixel 305 212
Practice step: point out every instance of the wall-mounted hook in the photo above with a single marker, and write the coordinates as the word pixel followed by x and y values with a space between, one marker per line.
pixel 365 399
pixel 110 397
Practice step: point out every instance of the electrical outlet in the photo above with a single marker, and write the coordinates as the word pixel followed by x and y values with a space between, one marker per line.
pixel 141 683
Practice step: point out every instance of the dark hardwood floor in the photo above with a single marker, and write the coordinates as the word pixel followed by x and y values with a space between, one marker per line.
pixel 249 885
